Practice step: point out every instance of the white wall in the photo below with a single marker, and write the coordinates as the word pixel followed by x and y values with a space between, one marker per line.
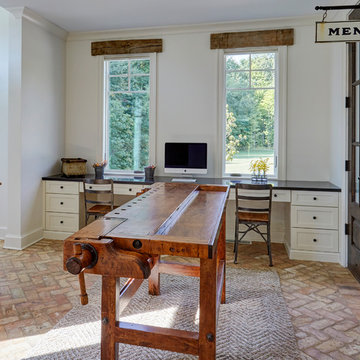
pixel 187 95
pixel 36 121
pixel 4 89
pixel 43 125
pixel 338 137
pixel 308 122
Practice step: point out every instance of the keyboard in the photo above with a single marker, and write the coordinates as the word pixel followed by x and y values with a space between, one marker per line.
pixel 190 180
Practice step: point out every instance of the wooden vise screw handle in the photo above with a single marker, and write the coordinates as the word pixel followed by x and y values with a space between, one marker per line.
pixel 85 257
pixel 82 259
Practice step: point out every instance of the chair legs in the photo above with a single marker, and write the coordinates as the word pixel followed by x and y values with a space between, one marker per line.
pixel 252 227
pixel 268 243
pixel 236 239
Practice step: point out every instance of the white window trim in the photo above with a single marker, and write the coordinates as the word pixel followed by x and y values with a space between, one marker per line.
pixel 101 148
pixel 280 130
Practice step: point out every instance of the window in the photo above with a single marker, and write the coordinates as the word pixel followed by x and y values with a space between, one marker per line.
pixel 128 97
pixel 251 111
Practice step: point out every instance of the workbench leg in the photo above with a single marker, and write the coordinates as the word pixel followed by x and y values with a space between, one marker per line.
pixel 207 326
pixel 109 314
pixel 222 254
pixel 154 278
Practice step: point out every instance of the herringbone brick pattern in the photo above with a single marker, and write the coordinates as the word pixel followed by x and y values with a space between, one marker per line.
pixel 323 299
pixel 35 293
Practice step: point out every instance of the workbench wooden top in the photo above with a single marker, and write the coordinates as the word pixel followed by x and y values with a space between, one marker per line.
pixel 171 218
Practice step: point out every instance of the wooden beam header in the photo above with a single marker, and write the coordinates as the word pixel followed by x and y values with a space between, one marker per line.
pixel 244 39
pixel 116 47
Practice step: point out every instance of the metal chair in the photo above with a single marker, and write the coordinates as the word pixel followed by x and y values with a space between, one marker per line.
pixel 254 213
pixel 98 197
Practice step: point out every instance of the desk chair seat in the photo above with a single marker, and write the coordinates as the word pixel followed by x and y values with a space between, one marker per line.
pixel 257 217
pixel 253 210
pixel 100 209
pixel 98 197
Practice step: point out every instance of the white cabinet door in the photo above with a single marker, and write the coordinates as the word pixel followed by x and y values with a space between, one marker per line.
pixel 62 222
pixel 315 198
pixel 314 240
pixel 314 217
pixel 62 203
pixel 62 187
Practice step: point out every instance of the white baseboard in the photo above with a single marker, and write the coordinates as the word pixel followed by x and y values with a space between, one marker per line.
pixel 313 256
pixel 56 235
pixel 287 248
pixel 16 242
pixel 3 232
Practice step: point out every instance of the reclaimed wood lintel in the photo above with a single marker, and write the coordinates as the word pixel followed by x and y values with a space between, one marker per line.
pixel 116 47
pixel 244 39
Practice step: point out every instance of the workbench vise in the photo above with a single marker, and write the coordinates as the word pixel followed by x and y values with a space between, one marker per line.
pixel 103 257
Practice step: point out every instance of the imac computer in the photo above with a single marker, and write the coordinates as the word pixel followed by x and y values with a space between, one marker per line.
pixel 186 159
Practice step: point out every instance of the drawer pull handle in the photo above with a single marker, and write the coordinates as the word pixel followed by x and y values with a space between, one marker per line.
pixel 90 187
pixel 61 222
pixel 315 198
pixel 61 203
pixel 314 217
pixel 61 187
pixel 314 240
pixel 130 189
pixel 275 195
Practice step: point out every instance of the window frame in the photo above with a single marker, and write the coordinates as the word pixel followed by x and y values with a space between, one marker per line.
pixel 152 110
pixel 280 108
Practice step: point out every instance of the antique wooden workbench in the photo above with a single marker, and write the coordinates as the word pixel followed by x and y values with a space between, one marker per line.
pixel 177 219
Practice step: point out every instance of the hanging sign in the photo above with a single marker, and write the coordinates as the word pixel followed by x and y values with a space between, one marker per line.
pixel 337 31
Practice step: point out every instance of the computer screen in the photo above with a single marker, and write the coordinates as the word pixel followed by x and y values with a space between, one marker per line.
pixel 186 158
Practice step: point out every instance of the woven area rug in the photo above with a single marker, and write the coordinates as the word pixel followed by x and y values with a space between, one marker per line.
pixel 253 324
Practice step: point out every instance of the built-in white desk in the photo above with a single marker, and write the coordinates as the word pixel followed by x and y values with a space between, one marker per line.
pixel 305 214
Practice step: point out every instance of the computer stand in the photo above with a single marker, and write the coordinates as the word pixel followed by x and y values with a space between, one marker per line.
pixel 185 178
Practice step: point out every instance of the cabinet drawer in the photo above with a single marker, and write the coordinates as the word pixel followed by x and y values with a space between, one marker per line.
pixel 121 189
pixel 127 189
pixel 314 217
pixel 281 195
pixel 62 187
pixel 314 240
pixel 278 195
pixel 62 203
pixel 62 222
pixel 315 198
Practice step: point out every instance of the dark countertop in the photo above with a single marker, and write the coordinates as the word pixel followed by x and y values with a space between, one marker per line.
pixel 277 184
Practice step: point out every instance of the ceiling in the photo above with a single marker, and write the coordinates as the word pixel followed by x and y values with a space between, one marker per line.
pixel 96 15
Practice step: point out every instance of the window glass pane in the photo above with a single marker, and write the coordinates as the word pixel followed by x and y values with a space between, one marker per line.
pixel 118 67
pixel 139 83
pixel 238 62
pixel 262 79
pixel 127 117
pixel 238 80
pixel 250 116
pixel 262 61
pixel 128 131
pixel 140 67
pixel 118 83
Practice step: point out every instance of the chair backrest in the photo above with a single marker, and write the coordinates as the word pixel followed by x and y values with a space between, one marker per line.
pixel 258 198
pixel 102 187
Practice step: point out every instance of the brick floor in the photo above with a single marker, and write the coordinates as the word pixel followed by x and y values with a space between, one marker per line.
pixel 323 299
